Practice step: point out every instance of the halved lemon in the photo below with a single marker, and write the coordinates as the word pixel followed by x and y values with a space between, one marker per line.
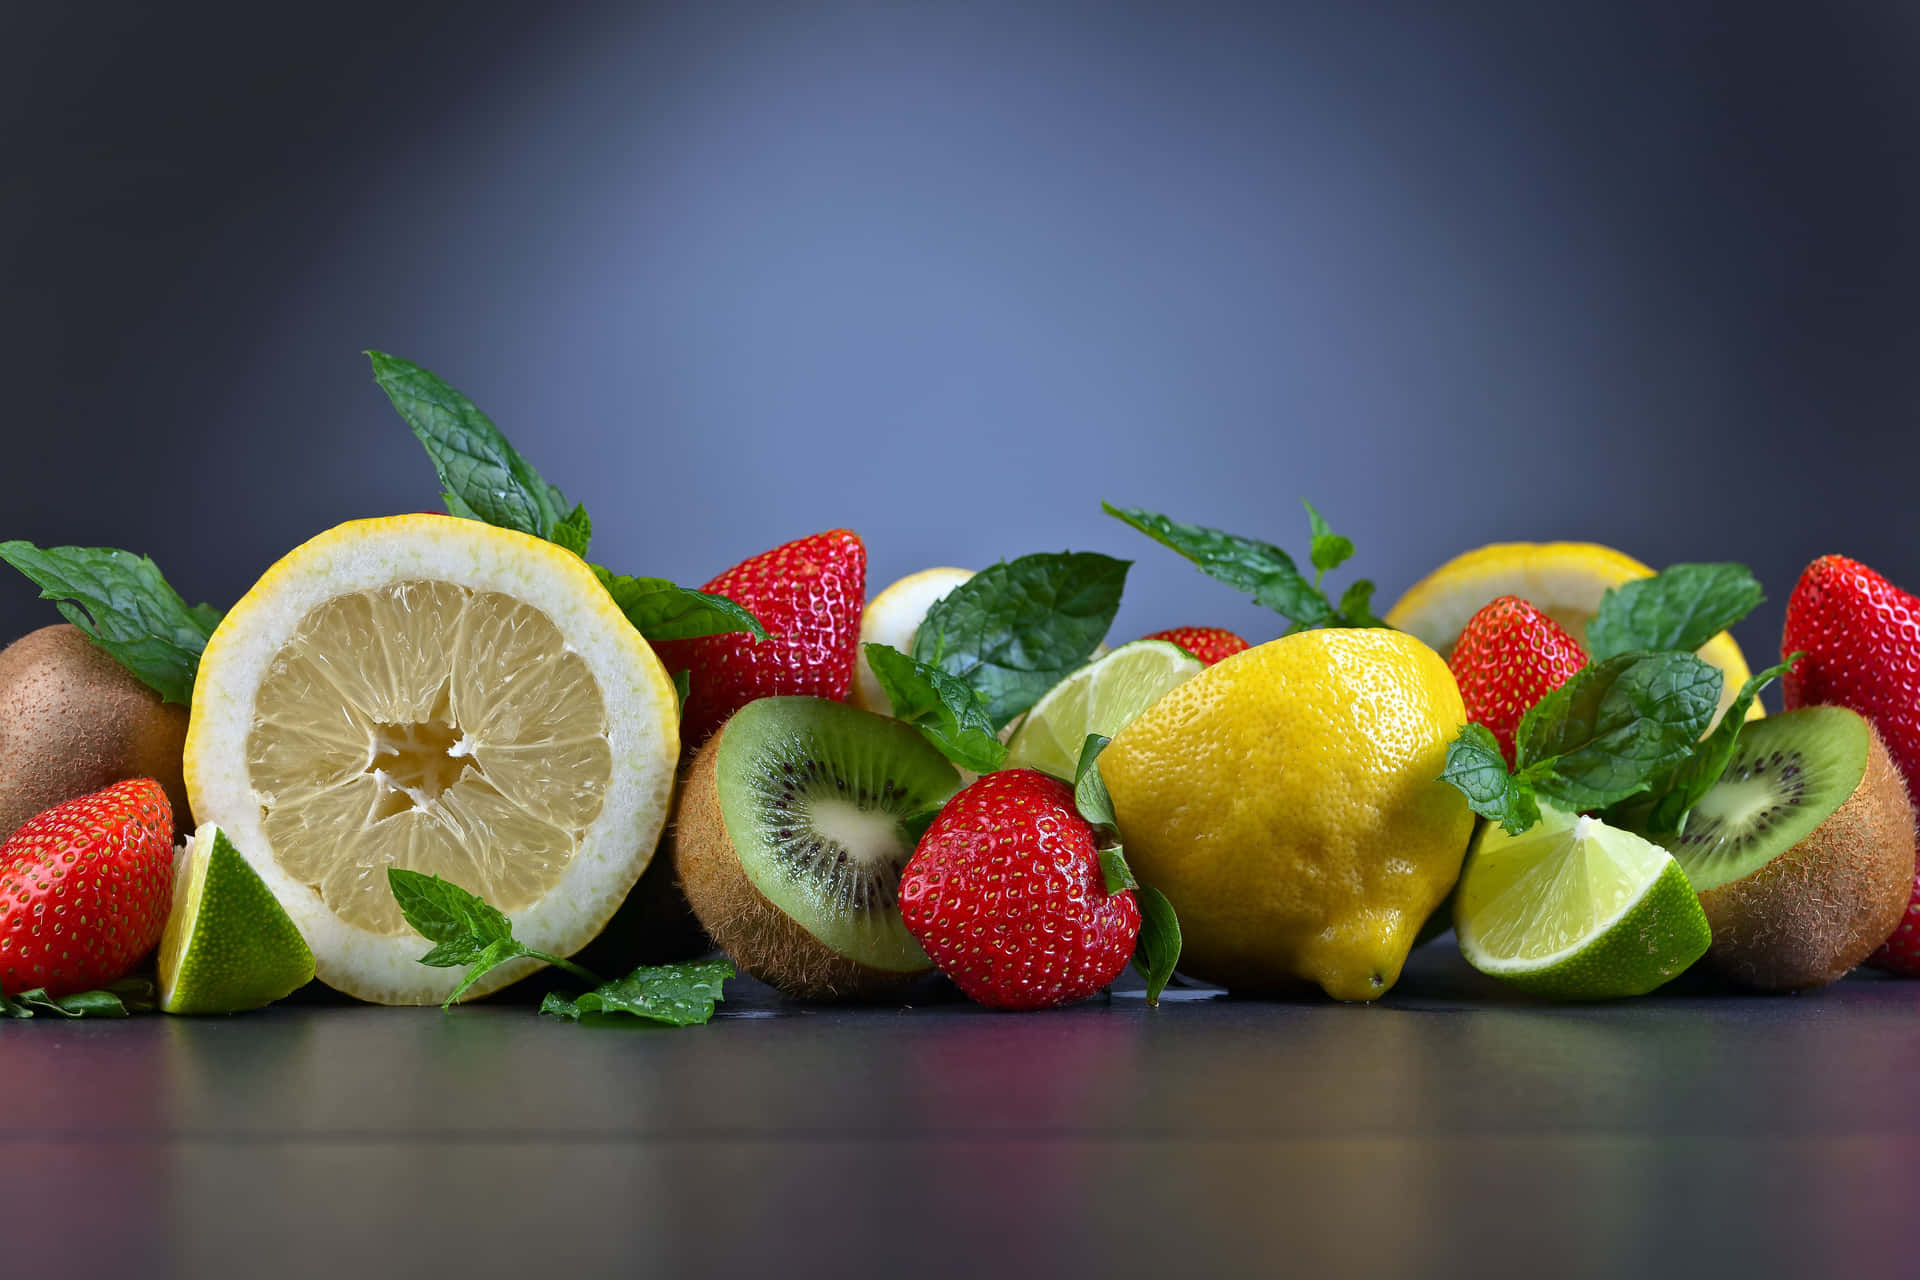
pixel 441 695
pixel 1564 580
pixel 891 618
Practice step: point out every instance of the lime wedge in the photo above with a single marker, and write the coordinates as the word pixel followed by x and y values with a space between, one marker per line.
pixel 1576 910
pixel 1102 697
pixel 229 945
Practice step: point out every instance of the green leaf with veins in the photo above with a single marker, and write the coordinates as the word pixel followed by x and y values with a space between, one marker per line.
pixel 116 1000
pixel 1257 568
pixel 1089 788
pixel 1157 953
pixel 1617 726
pixel 1685 787
pixel 125 606
pixel 1478 771
pixel 1329 550
pixel 1681 607
pixel 680 995
pixel 1013 631
pixel 659 610
pixel 946 712
pixel 484 477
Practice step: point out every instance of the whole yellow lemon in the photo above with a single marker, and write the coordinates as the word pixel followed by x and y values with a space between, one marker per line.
pixel 1288 803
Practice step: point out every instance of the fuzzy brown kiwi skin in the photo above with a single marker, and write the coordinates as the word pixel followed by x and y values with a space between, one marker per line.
pixel 73 720
pixel 755 934
pixel 1826 904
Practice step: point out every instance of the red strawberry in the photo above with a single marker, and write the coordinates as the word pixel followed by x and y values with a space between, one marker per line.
pixel 1509 657
pixel 1862 638
pixel 808 594
pixel 1005 893
pixel 1861 635
pixel 85 889
pixel 1209 644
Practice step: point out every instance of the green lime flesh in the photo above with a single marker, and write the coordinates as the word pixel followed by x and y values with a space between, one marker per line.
pixel 1787 775
pixel 228 945
pixel 1573 909
pixel 813 794
pixel 1102 697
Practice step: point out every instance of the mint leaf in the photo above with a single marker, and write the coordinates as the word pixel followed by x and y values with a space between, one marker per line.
pixel 1259 569
pixel 1013 631
pixel 1114 871
pixel 1330 550
pixel 946 711
pixel 1356 604
pixel 683 687
pixel 1616 726
pixel 575 532
pixel 118 1000
pixel 489 957
pixel 1696 776
pixel 659 610
pixel 1478 771
pixel 680 995
pixel 1089 788
pixel 1157 953
pixel 484 477
pixel 125 605
pixel 1681 607
pixel 441 911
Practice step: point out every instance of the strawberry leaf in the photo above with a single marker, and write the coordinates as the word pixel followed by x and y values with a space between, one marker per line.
pixel 948 713
pixel 1157 953
pixel 123 603
pixel 1089 789
pixel 1682 607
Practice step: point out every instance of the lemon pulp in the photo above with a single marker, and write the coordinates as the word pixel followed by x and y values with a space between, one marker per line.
pixel 433 727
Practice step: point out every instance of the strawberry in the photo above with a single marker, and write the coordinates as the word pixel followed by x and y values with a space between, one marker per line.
pixel 85 889
pixel 808 594
pixel 1006 894
pixel 1209 644
pixel 1509 657
pixel 1861 635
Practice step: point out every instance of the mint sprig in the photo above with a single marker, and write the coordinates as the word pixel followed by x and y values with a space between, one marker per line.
pixel 123 603
pixel 1264 571
pixel 1681 607
pixel 659 610
pixel 1156 952
pixel 947 711
pixel 466 930
pixel 1606 735
pixel 117 1000
pixel 1013 631
pixel 1674 795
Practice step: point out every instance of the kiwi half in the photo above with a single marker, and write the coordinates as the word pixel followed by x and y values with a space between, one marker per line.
pixel 1802 853
pixel 790 844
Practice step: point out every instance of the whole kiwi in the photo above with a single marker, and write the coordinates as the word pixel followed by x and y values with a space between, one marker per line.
pixel 73 720
pixel 1826 904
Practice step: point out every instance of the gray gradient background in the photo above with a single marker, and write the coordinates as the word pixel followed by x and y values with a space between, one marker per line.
pixel 732 273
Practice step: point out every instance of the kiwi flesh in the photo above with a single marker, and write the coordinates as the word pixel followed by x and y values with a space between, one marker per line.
pixel 1803 852
pixel 73 720
pixel 790 846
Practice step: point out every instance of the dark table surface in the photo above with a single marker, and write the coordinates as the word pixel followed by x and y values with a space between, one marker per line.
pixel 1452 1128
